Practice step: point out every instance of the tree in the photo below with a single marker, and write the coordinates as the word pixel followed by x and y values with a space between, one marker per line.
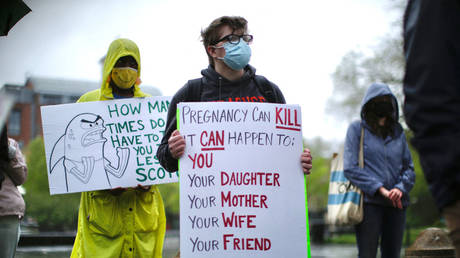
pixel 320 147
pixel 356 72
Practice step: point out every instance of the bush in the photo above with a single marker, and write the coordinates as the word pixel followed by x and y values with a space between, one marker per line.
pixel 423 210
pixel 318 184
pixel 170 194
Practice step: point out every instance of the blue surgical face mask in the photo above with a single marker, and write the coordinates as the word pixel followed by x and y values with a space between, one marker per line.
pixel 236 56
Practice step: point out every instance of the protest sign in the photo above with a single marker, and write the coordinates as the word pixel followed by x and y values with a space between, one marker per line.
pixel 242 190
pixel 105 144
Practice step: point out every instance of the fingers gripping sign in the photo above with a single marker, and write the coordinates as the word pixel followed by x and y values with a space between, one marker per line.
pixel 306 159
pixel 176 144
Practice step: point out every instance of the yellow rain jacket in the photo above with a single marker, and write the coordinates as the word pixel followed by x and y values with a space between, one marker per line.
pixel 133 223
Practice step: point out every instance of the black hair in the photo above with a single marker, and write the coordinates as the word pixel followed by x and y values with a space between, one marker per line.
pixel 4 159
pixel 372 119
pixel 4 145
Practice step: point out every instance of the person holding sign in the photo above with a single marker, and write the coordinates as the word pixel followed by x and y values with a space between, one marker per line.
pixel 228 77
pixel 121 222
pixel 388 173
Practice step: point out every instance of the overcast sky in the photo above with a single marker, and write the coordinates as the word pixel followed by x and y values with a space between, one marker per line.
pixel 297 44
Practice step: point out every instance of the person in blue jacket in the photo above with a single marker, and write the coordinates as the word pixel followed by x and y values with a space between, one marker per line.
pixel 388 173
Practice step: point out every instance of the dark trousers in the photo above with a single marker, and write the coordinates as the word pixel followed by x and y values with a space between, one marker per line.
pixel 380 224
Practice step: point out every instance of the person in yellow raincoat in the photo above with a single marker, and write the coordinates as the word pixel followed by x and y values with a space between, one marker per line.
pixel 121 222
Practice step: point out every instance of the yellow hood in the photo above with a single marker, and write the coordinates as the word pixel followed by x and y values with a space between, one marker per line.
pixel 119 48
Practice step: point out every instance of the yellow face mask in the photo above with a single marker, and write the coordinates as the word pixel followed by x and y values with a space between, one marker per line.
pixel 124 77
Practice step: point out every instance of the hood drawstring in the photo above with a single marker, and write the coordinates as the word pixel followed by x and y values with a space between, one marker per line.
pixel 220 88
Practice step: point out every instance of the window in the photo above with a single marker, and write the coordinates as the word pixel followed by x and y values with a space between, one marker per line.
pixel 14 123
pixel 50 99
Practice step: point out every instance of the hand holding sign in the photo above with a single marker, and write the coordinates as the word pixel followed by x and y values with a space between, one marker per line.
pixel 306 160
pixel 176 144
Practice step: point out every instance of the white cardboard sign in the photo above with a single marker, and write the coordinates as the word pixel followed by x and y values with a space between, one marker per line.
pixel 105 144
pixel 242 190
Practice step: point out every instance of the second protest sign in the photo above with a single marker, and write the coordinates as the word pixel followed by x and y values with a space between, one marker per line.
pixel 242 188
pixel 104 144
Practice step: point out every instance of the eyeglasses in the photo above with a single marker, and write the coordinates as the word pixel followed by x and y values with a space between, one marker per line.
pixel 235 39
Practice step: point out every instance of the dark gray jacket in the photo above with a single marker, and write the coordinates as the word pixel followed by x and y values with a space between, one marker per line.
pixel 432 92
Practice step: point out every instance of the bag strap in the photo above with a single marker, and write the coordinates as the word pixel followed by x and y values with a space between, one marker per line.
pixel 361 148
pixel 266 89
pixel 194 88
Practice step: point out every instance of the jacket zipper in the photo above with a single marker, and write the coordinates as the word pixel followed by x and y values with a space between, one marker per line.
pixel 387 174
pixel 220 88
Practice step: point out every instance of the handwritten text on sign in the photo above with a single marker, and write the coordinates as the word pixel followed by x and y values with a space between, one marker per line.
pixel 105 144
pixel 242 187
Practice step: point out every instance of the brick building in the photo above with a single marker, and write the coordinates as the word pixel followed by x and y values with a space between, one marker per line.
pixel 24 122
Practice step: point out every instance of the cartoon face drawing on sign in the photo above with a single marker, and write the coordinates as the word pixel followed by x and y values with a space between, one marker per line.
pixel 82 150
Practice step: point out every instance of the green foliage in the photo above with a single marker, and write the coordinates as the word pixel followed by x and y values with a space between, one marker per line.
pixel 58 212
pixel 346 238
pixel 356 72
pixel 318 180
pixel 318 184
pixel 423 210
pixel 170 194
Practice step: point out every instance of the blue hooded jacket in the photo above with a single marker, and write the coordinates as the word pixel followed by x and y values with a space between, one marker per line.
pixel 387 162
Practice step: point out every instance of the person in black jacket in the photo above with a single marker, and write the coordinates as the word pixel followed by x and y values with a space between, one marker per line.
pixel 432 99
pixel 228 77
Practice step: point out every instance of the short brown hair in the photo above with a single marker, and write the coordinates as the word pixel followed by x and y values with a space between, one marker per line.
pixel 211 34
